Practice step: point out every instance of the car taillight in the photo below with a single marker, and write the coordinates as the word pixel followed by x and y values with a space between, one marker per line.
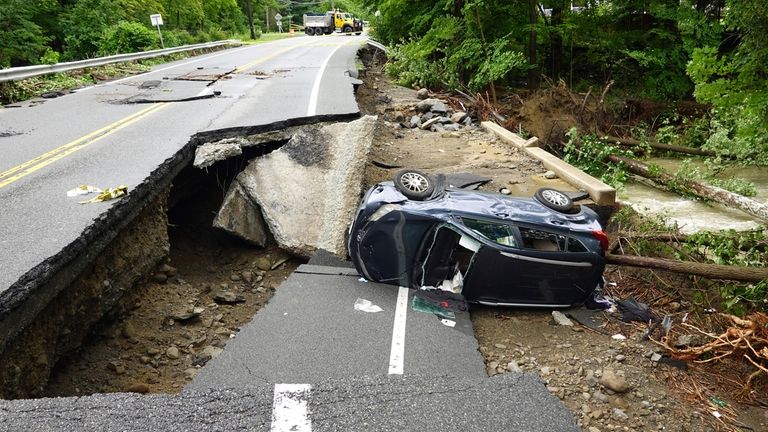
pixel 602 238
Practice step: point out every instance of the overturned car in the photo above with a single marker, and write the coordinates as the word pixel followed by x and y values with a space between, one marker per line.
pixel 492 248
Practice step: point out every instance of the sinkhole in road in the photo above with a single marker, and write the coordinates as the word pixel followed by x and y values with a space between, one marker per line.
pixel 181 314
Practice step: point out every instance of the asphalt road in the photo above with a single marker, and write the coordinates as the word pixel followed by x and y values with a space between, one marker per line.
pixel 117 133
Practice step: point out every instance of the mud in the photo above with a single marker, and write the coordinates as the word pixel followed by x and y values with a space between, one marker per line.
pixel 64 324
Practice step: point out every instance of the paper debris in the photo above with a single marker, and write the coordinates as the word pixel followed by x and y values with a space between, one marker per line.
pixel 618 336
pixel 448 322
pixel 83 190
pixel 366 306
pixel 108 194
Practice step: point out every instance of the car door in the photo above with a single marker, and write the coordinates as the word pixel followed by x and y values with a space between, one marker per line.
pixel 531 274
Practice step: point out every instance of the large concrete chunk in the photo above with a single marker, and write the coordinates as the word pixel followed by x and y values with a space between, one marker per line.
pixel 210 153
pixel 309 189
pixel 241 217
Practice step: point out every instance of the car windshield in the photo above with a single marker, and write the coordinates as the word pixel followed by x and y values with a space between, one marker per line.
pixel 496 232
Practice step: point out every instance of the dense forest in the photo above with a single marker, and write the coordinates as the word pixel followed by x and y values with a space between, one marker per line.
pixel 715 51
pixel 47 31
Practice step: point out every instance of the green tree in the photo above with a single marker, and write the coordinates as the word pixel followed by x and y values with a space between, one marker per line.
pixel 22 40
pixel 732 75
pixel 184 14
pixel 84 24
pixel 127 37
pixel 225 15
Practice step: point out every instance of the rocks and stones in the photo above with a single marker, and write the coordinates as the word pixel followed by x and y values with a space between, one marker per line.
pixel 211 351
pixel 172 353
pixel 422 93
pixel 210 153
pixel 550 175
pixel 310 209
pixel 428 124
pixel 241 216
pixel 263 263
pixel 655 357
pixel 187 316
pixel 432 105
pixel 128 330
pixel 116 367
pixel 561 319
pixel 228 297
pixel 415 122
pixel 512 366
pixel 160 277
pixel 138 388
pixel 685 341
pixel 613 381
pixel 458 116
pixel 247 276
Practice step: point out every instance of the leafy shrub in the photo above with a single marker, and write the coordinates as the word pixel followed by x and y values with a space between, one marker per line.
pixel 128 37
pixel 590 153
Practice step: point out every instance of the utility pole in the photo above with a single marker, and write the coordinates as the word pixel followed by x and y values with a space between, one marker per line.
pixel 266 14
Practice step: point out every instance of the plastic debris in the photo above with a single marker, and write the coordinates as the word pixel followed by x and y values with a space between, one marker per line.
pixel 717 401
pixel 632 310
pixel 362 279
pixel 448 322
pixel 108 194
pixel 618 336
pixel 423 305
pixel 716 414
pixel 83 190
pixel 366 306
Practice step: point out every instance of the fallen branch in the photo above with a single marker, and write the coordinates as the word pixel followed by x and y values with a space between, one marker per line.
pixel 697 188
pixel 710 271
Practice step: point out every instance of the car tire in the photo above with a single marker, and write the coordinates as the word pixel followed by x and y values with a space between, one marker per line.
pixel 554 199
pixel 415 185
pixel 308 31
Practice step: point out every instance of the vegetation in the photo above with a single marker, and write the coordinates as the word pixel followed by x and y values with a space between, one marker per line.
pixel 47 31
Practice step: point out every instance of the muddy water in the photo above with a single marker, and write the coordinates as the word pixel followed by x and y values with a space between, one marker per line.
pixel 691 215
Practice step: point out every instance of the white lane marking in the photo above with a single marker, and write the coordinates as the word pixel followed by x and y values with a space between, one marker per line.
pixel 397 351
pixel 290 408
pixel 312 109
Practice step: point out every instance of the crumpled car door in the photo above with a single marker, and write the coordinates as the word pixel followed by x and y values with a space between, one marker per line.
pixel 528 277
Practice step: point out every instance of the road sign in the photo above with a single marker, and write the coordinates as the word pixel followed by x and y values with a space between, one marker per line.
pixel 278 17
pixel 157 20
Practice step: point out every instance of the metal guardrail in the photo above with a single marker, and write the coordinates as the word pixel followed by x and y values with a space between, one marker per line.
pixel 377 45
pixel 19 73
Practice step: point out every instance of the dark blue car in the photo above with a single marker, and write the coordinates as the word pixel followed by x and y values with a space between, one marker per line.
pixel 494 249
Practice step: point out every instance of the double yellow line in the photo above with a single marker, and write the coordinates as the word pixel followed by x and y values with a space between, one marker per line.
pixel 22 170
pixel 19 171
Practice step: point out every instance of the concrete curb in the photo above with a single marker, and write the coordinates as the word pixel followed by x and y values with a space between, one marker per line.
pixel 601 193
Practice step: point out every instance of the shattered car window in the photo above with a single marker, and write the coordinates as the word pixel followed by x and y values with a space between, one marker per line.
pixel 542 240
pixel 503 234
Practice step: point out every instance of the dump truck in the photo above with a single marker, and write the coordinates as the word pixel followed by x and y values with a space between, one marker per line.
pixel 332 21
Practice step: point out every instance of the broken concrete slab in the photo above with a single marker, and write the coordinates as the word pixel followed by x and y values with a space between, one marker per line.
pixel 210 153
pixel 241 216
pixel 433 105
pixel 308 190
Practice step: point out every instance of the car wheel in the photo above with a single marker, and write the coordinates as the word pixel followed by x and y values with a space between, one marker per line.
pixel 414 184
pixel 554 199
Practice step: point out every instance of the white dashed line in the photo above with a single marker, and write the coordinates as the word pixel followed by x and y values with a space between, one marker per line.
pixel 290 408
pixel 397 351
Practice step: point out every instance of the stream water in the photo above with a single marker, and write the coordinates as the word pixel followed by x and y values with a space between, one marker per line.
pixel 690 215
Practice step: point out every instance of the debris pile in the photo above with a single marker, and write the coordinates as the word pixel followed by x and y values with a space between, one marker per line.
pixel 744 338
pixel 434 115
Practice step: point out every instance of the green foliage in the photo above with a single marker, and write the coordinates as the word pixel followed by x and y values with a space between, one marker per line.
pixel 84 24
pixel 730 247
pixel 733 79
pixel 128 37
pixel 590 153
pixel 22 41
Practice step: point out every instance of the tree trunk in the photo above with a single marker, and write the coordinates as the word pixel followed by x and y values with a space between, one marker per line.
pixel 557 41
pixel 710 271
pixel 249 15
pixel 660 146
pixel 533 73
pixel 700 189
